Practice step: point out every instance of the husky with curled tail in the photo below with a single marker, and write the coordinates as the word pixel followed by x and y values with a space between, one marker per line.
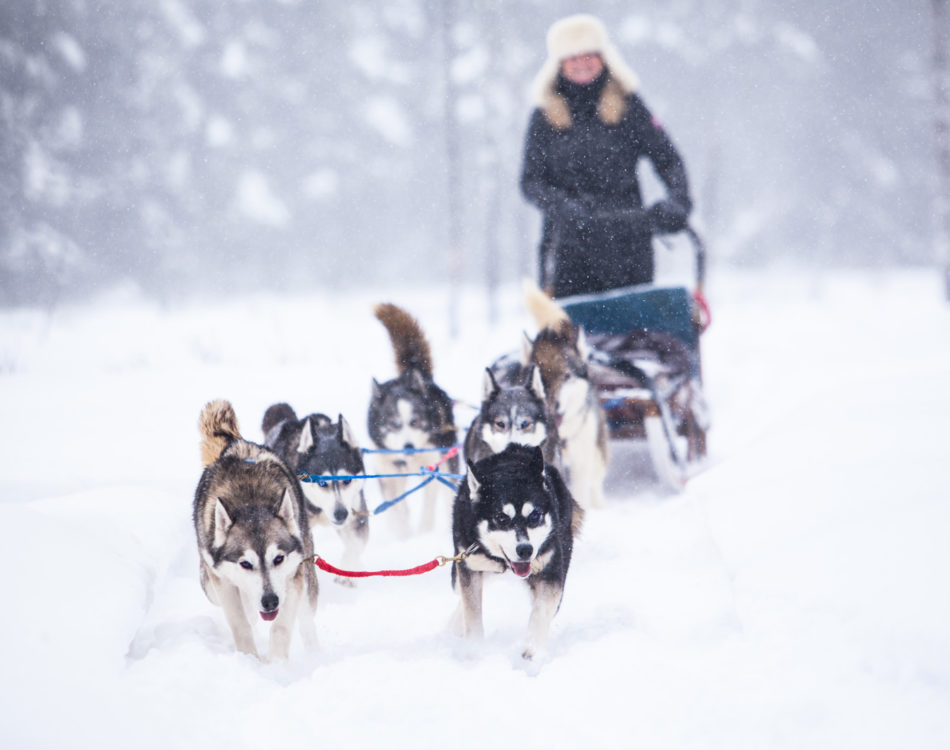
pixel 407 415
pixel 254 543
pixel 560 352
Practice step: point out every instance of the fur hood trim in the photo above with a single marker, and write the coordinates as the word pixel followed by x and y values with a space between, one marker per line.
pixel 576 35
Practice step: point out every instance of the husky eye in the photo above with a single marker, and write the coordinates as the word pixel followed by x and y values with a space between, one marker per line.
pixel 278 560
pixel 322 483
pixel 395 424
pixel 525 424
pixel 246 565
pixel 501 424
pixel 346 482
pixel 414 422
pixel 501 520
pixel 536 517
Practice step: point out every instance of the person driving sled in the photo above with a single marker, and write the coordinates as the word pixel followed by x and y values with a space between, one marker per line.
pixel 583 142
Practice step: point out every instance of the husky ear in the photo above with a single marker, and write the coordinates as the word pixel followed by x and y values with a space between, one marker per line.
pixel 376 389
pixel 536 466
pixel 222 523
pixel 489 384
pixel 286 509
pixel 527 349
pixel 345 433
pixel 535 384
pixel 306 437
pixel 582 348
pixel 418 382
pixel 473 484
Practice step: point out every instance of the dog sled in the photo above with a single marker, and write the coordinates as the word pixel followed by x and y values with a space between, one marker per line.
pixel 645 364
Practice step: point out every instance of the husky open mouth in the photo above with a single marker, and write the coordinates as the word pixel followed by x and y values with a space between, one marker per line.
pixel 268 616
pixel 522 569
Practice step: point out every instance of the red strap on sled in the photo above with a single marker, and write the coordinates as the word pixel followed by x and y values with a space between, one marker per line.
pixel 419 569
pixel 704 314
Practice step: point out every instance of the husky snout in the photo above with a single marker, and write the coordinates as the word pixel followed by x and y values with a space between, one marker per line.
pixel 524 551
pixel 340 515
pixel 269 604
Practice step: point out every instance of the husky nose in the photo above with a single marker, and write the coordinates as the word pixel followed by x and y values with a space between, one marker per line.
pixel 269 602
pixel 524 551
pixel 339 515
pixel 409 447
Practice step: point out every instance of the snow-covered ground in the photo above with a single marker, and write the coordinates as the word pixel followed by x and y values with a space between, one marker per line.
pixel 795 595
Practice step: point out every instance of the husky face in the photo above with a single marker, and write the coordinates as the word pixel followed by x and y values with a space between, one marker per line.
pixel 257 548
pixel 513 413
pixel 513 505
pixel 325 450
pixel 398 416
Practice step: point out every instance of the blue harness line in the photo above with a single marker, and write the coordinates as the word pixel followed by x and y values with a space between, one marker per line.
pixel 446 479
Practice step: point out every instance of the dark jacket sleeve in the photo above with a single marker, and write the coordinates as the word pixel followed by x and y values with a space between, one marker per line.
pixel 659 149
pixel 535 182
pixel 537 188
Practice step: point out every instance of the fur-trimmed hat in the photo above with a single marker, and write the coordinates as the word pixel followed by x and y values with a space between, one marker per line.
pixel 577 35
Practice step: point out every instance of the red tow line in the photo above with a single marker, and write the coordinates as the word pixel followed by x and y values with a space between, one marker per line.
pixel 438 562
pixel 419 569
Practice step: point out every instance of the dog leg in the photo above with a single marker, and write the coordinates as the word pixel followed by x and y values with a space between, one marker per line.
pixel 470 588
pixel 399 513
pixel 282 627
pixel 434 494
pixel 546 598
pixel 230 599
pixel 354 534
pixel 307 612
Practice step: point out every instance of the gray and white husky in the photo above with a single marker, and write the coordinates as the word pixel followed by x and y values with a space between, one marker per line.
pixel 408 413
pixel 561 354
pixel 255 549
pixel 513 410
pixel 513 513
pixel 315 448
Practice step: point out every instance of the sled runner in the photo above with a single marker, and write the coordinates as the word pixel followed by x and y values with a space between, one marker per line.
pixel 645 363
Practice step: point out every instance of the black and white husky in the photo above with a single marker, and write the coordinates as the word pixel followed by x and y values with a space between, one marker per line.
pixel 514 513
pixel 254 544
pixel 407 415
pixel 315 448
pixel 513 410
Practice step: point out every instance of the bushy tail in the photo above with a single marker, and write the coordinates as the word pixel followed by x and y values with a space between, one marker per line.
pixel 276 414
pixel 218 427
pixel 546 312
pixel 409 342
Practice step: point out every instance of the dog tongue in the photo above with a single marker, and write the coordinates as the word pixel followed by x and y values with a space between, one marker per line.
pixel 521 569
pixel 268 616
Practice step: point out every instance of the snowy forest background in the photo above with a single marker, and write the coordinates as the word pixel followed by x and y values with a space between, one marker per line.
pixel 194 146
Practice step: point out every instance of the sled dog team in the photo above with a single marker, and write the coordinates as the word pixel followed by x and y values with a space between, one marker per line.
pixel 536 457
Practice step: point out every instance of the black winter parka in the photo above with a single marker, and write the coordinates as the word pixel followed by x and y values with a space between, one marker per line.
pixel 583 177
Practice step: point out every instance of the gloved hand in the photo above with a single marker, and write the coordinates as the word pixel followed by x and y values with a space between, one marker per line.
pixel 666 217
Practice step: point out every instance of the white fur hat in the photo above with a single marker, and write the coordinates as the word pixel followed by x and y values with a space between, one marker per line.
pixel 577 35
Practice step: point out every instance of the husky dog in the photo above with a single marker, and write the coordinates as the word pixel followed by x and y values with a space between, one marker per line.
pixel 514 513
pixel 315 447
pixel 513 410
pixel 254 545
pixel 408 413
pixel 560 352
